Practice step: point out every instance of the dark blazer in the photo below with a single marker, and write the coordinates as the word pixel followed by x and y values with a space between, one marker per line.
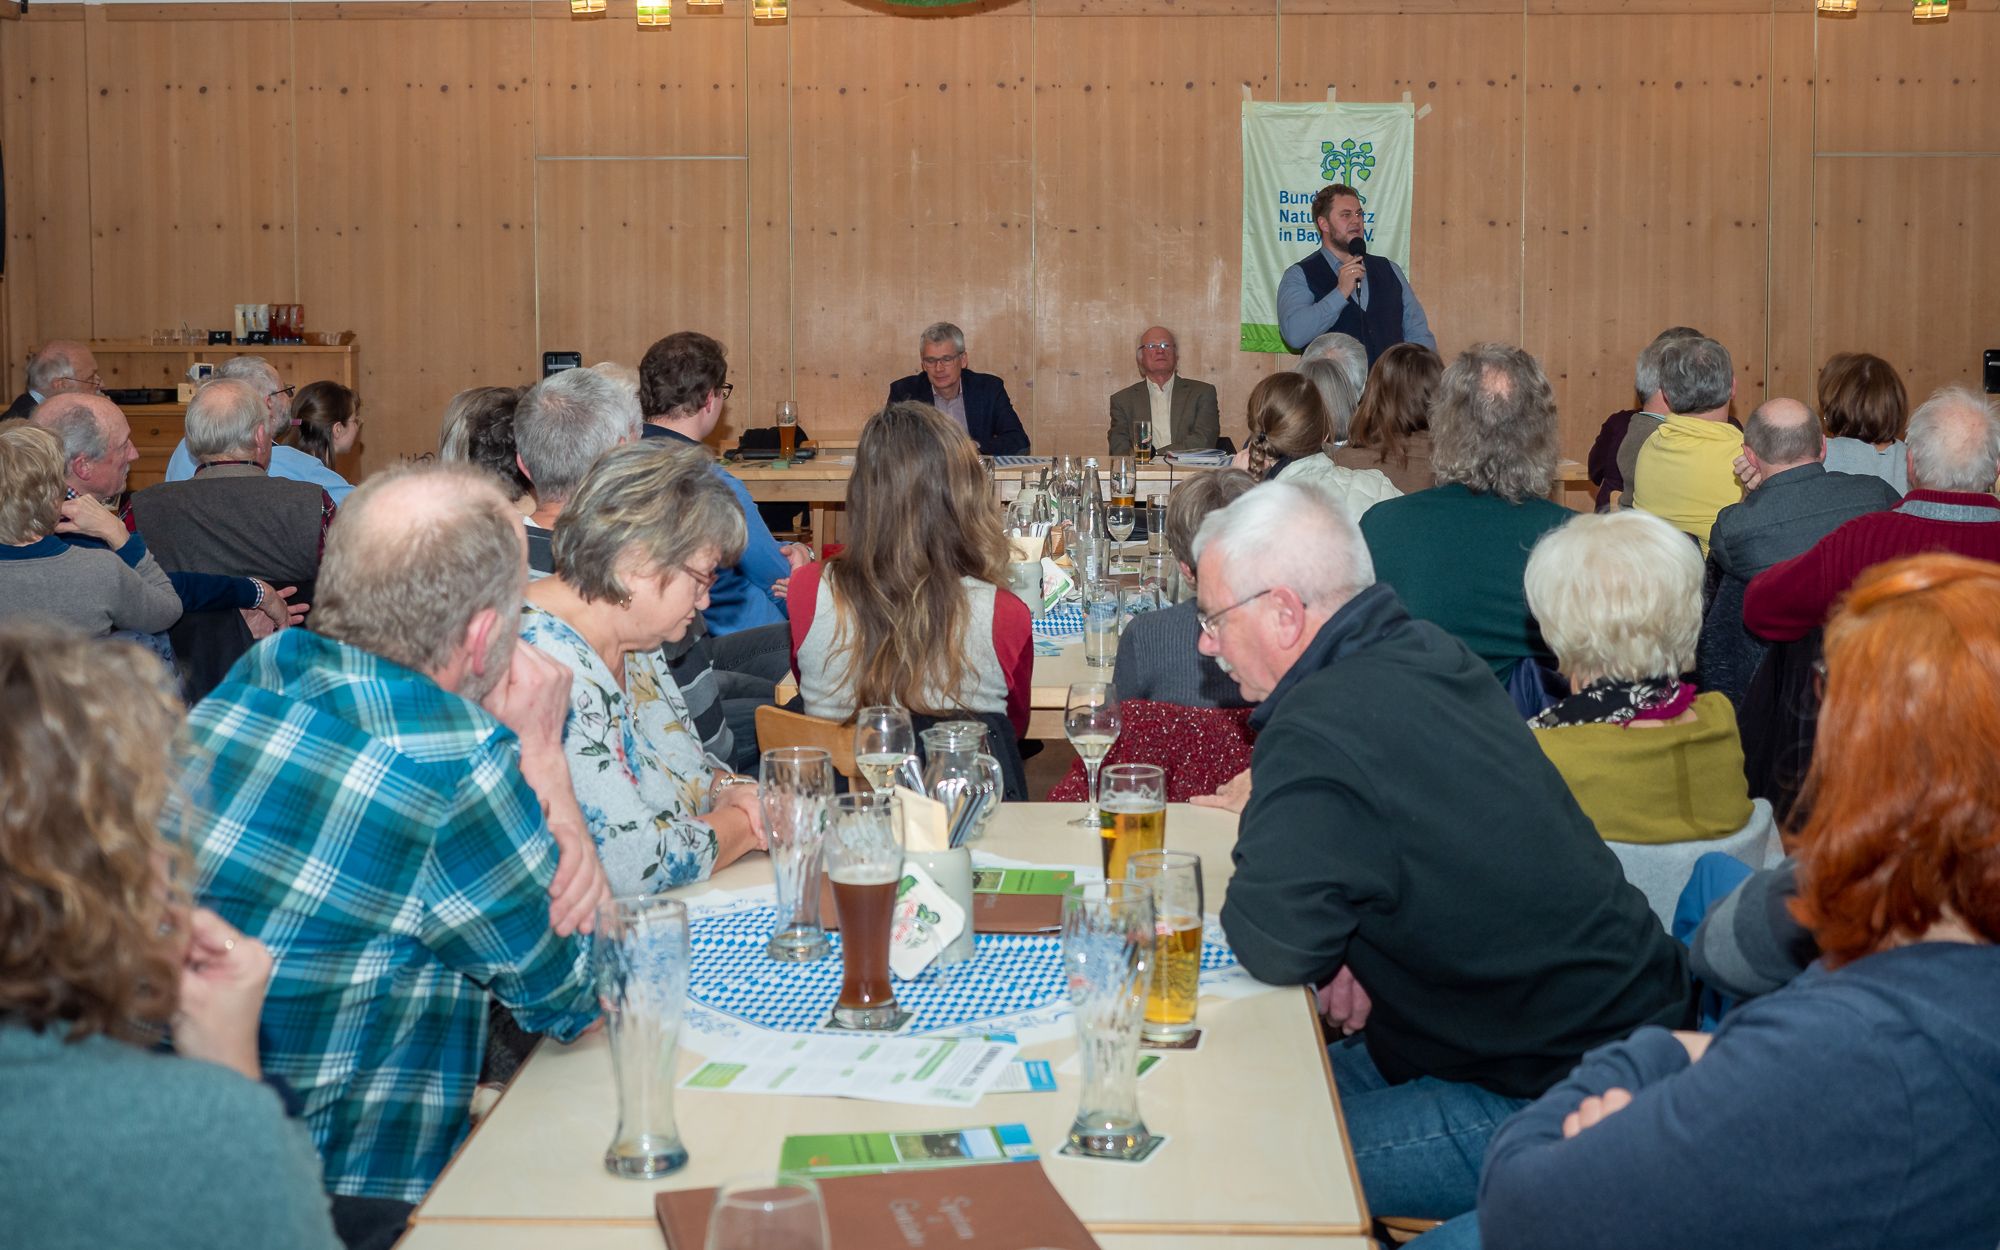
pixel 1197 419
pixel 989 415
pixel 23 407
pixel 1782 518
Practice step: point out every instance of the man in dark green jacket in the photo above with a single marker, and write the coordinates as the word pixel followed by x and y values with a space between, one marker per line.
pixel 1401 824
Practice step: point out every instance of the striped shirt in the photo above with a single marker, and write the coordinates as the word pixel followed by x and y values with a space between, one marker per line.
pixel 374 830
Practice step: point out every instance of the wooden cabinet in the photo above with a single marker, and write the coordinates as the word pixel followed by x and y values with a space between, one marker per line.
pixel 158 428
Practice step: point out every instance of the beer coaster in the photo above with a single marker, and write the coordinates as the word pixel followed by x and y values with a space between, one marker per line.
pixel 898 1025
pixel 1191 1042
pixel 1146 1151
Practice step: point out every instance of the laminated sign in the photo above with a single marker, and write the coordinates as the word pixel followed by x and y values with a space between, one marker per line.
pixel 1290 151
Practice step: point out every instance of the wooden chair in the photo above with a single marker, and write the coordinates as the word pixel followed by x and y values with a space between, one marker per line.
pixel 1401 1230
pixel 778 728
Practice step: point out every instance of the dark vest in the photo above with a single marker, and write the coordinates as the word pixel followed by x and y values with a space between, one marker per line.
pixel 1379 327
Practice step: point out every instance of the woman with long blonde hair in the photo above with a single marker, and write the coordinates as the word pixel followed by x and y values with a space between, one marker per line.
pixel 914 611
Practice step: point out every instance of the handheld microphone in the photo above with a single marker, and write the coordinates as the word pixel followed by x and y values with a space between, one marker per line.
pixel 1358 246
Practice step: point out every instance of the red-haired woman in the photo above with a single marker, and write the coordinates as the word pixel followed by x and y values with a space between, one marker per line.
pixel 1859 1106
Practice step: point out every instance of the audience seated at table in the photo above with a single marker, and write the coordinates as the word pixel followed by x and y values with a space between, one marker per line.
pixel 1866 410
pixel 104 961
pixel 1344 350
pixel 1181 411
pixel 1157 655
pixel 975 402
pixel 1400 825
pixel 326 423
pixel 562 424
pixel 391 813
pixel 1614 455
pixel 635 551
pixel 914 611
pixel 1860 1105
pixel 1954 454
pixel 479 429
pixel 1291 434
pixel 58 367
pixel 89 592
pixel 275 400
pixel 1456 553
pixel 1686 471
pixel 1392 426
pixel 1335 391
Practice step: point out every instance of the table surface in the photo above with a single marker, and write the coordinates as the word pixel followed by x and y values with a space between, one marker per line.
pixel 1256 1142
pixel 614 1237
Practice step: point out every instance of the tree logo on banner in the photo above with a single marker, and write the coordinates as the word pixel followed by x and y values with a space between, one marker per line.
pixel 1349 162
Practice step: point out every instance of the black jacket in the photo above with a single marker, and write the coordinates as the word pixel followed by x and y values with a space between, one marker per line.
pixel 1403 821
pixel 989 415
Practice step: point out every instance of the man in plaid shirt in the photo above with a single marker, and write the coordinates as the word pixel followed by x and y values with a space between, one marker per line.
pixel 392 816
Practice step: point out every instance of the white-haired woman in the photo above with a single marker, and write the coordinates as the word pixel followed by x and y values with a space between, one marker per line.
pixel 634 552
pixel 1649 758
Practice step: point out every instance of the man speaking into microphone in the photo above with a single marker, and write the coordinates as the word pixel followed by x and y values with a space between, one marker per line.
pixel 1341 287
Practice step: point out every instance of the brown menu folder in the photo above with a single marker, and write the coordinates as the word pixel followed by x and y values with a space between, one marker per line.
pixel 989 1206
pixel 991 913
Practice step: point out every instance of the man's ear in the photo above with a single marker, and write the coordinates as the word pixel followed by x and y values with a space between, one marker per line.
pixel 479 639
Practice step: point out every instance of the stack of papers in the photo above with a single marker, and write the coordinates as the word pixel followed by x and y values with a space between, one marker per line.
pixel 925 1071
pixel 1210 459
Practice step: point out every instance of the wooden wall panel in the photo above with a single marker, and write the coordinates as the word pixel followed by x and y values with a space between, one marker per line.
pixel 45 128
pixel 762 367
pixel 629 251
pixel 1138 209
pixel 910 150
pixel 191 200
pixel 604 87
pixel 1647 182
pixel 1929 303
pixel 1465 256
pixel 1890 84
pixel 1791 362
pixel 416 211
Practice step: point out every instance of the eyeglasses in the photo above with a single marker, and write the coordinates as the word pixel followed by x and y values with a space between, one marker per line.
pixel 726 389
pixel 1164 345
pixel 286 391
pixel 95 381
pixel 703 581
pixel 938 362
pixel 1209 620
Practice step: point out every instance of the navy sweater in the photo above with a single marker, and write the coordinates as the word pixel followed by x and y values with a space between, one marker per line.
pixel 1851 1109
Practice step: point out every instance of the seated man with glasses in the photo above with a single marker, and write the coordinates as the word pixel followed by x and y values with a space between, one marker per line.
pixel 976 402
pixel 286 462
pixel 61 367
pixel 1181 413
pixel 1402 833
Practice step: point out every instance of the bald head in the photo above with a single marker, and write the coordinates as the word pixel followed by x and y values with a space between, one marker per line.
pixel 62 366
pixel 1954 442
pixel 1782 434
pixel 1159 354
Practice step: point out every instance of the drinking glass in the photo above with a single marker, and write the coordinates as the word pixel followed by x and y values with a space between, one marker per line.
pixel 1090 719
pixel 1119 519
pixel 640 959
pixel 1107 947
pixel 1132 805
pixel 788 428
pixel 1103 613
pixel 1156 524
pixel 1142 441
pixel 1175 878
pixel 793 784
pixel 883 741
pixel 769 1211
pixel 864 857
pixel 1124 478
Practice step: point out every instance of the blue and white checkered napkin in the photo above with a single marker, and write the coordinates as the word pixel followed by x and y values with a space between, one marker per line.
pixel 1065 620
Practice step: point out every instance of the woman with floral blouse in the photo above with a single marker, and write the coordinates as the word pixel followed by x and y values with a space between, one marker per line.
pixel 634 553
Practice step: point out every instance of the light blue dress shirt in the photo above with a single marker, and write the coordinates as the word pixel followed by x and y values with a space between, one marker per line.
pixel 287 462
pixel 1300 320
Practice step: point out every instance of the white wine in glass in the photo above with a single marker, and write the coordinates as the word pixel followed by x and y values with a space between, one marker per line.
pixel 1118 522
pixel 883 740
pixel 1091 721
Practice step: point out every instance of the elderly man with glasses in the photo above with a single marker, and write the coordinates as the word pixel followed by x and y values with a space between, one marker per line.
pixel 61 367
pixel 1405 845
pixel 286 462
pixel 976 401
pixel 1180 413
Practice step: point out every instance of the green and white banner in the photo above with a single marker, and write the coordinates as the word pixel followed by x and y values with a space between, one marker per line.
pixel 1290 151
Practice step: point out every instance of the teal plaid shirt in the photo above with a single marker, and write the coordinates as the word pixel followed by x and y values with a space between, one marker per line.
pixel 374 830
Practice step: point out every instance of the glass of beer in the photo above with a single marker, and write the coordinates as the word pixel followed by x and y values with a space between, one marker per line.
pixel 1107 948
pixel 788 428
pixel 1124 482
pixel 864 857
pixel 641 960
pixel 1142 441
pixel 1175 879
pixel 793 785
pixel 1132 814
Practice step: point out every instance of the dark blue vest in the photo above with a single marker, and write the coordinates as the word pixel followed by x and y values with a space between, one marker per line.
pixel 1379 327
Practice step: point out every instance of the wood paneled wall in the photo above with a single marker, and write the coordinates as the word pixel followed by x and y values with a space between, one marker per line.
pixel 467 184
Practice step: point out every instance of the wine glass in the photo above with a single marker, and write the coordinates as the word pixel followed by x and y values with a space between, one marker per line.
pixel 1118 522
pixel 768 1212
pixel 883 741
pixel 1090 719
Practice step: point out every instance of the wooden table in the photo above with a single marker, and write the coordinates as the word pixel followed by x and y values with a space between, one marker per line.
pixel 613 1237
pixel 1257 1149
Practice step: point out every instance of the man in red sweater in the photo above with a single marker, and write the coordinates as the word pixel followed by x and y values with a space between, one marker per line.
pixel 1954 457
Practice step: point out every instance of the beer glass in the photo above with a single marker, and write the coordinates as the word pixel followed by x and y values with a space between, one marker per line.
pixel 1124 481
pixel 1132 805
pixel 1175 879
pixel 640 959
pixel 864 857
pixel 788 428
pixel 768 1212
pixel 883 742
pixel 1142 441
pixel 1107 947
pixel 793 785
pixel 1091 722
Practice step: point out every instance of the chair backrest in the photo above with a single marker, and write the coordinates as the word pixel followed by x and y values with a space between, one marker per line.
pixel 1661 870
pixel 778 728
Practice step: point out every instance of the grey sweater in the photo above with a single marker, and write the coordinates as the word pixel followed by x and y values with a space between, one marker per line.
pixel 90 591
pixel 110 1146
pixel 1157 660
